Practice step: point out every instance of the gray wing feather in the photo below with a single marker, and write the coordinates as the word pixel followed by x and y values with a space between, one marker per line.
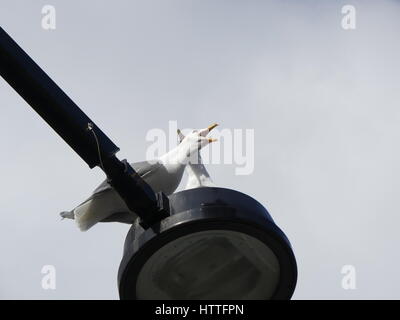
pixel 145 169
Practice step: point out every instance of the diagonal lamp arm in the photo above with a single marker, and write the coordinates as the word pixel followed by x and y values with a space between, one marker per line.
pixel 78 130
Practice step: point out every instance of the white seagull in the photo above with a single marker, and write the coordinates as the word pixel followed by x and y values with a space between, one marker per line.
pixel 163 174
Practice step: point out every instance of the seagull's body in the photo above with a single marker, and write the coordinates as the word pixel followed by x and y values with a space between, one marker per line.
pixel 163 174
pixel 198 175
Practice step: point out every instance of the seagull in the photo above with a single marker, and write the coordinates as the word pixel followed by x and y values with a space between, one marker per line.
pixel 198 175
pixel 163 174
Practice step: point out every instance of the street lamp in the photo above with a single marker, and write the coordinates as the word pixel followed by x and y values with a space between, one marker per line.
pixel 216 244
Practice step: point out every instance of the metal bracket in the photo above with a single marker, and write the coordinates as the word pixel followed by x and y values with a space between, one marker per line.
pixel 162 212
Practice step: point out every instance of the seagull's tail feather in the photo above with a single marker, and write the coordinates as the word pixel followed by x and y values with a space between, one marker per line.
pixel 97 209
pixel 84 217
pixel 67 214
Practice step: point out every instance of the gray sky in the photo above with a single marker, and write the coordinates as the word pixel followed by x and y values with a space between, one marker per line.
pixel 323 101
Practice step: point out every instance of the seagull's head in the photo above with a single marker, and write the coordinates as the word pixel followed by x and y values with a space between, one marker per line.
pixel 194 141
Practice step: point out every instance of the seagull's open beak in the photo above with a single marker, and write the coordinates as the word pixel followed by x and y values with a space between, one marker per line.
pixel 202 132
pixel 212 126
pixel 205 131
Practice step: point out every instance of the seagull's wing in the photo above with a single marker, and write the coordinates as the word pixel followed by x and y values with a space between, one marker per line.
pixel 144 169
pixel 105 204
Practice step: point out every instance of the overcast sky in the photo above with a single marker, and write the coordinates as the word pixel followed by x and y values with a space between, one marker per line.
pixel 323 103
